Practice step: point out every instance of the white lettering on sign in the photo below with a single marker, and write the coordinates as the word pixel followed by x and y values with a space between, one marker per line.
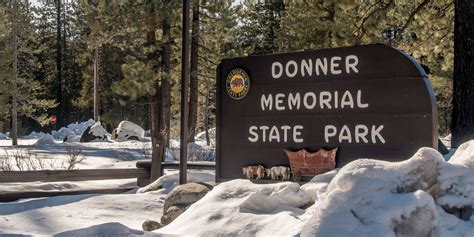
pixel 283 133
pixel 359 133
pixel 320 66
pixel 312 100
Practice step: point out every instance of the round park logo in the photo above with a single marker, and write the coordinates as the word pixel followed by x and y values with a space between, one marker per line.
pixel 237 83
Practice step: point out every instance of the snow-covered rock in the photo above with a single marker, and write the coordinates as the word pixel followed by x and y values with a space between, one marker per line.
pixel 170 181
pixel 242 208
pixel 46 139
pixel 456 182
pixel 180 198
pixel 127 130
pixel 202 136
pixel 378 198
pixel 95 133
pixel 73 129
pixel 3 136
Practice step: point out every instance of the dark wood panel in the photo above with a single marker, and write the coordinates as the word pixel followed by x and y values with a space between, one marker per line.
pixel 71 175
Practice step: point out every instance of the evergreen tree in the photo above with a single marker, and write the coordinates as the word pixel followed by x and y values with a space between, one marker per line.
pixel 463 98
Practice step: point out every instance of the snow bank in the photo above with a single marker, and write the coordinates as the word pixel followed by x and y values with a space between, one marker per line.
pixel 34 135
pixel 72 130
pixel 3 136
pixel 242 208
pixel 106 229
pixel 46 139
pixel 457 178
pixel 378 198
pixel 169 181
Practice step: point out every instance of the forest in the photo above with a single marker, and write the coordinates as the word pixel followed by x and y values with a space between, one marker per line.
pixel 58 57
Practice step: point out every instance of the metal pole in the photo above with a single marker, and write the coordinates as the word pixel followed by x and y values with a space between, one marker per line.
pixel 183 156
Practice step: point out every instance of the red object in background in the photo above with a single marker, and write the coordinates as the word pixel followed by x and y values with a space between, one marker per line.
pixel 53 120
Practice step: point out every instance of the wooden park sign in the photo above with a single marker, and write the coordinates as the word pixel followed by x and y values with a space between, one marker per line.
pixel 370 101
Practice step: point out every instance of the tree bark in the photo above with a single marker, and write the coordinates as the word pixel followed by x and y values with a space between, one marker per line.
pixel 193 94
pixel 60 90
pixel 165 88
pixel 14 129
pixel 96 86
pixel 462 126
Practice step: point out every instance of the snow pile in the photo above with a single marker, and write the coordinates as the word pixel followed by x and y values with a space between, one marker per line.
pixel 99 131
pixel 79 128
pixel 34 135
pixel 53 215
pixel 378 198
pixel 106 229
pixel 457 178
pixel 3 136
pixel 72 130
pixel 169 181
pixel 201 137
pixel 127 130
pixel 46 139
pixel 242 208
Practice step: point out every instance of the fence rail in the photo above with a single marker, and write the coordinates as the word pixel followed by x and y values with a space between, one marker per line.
pixel 141 173
pixel 71 175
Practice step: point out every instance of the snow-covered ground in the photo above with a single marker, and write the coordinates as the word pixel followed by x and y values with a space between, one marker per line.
pixel 424 195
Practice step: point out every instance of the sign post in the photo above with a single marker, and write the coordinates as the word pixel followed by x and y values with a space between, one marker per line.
pixel 369 101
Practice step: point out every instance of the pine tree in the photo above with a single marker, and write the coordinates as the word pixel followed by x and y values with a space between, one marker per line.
pixel 463 97
pixel 17 67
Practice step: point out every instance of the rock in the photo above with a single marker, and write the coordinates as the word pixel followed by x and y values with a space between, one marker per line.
pixel 127 130
pixel 418 223
pixel 172 213
pixel 150 225
pixel 94 133
pixel 114 134
pixel 180 198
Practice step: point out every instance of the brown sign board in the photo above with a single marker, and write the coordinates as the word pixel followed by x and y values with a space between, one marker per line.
pixel 371 101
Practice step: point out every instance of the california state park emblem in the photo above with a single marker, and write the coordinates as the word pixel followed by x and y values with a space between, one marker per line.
pixel 237 83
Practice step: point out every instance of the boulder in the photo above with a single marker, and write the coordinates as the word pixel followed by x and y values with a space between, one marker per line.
pixel 180 198
pixel 94 133
pixel 150 225
pixel 127 130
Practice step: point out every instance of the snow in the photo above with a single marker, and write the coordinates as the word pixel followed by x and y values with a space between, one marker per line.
pixel 128 129
pixel 73 129
pixel 365 198
pixel 171 180
pixel 33 135
pixel 46 139
pixel 49 216
pixel 457 178
pixel 3 136
pixel 240 207
pixel 99 131
pixel 201 137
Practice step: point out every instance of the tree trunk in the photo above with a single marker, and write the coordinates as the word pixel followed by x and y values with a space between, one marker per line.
pixel 14 129
pixel 153 100
pixel 193 94
pixel 96 86
pixel 462 126
pixel 155 108
pixel 165 86
pixel 206 114
pixel 60 91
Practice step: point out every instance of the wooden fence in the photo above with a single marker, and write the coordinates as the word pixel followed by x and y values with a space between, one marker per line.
pixel 141 173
